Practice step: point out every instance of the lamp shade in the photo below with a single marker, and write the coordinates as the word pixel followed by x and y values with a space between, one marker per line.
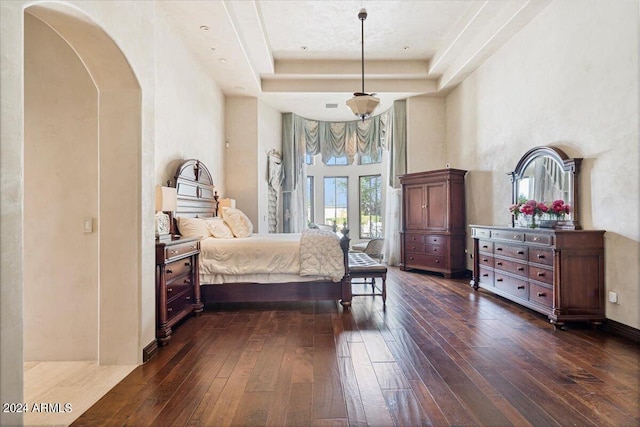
pixel 166 199
pixel 363 105
pixel 226 203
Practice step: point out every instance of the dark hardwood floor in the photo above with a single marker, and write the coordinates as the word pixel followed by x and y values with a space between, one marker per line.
pixel 440 354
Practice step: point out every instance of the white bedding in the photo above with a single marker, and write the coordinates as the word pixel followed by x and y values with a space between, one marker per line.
pixel 263 258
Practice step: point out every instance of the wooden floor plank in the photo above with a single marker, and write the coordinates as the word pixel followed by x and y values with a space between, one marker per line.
pixel 438 354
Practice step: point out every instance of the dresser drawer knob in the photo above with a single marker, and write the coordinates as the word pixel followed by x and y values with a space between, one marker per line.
pixel 520 268
pixel 516 236
pixel 485 275
pixel 520 252
pixel 485 247
pixel 173 251
pixel 187 280
pixel 540 256
pixel 169 310
pixel 193 247
pixel 521 287
pixel 535 239
pixel 498 263
pixel 413 248
pixel 498 280
pixel 169 271
pixel 541 294
pixel 498 249
pixel 188 298
pixel 169 289
pixel 411 258
pixel 435 249
pixel 187 264
pixel 437 261
pixel 540 274
pixel 485 260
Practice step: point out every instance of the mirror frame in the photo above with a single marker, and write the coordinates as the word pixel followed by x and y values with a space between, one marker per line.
pixel 568 164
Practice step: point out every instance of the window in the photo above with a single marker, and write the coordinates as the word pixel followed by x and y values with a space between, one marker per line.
pixel 337 161
pixel 309 205
pixel 335 200
pixel 308 159
pixel 370 206
pixel 365 159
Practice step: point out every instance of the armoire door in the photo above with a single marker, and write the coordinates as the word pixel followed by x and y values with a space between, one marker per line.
pixel 436 206
pixel 415 207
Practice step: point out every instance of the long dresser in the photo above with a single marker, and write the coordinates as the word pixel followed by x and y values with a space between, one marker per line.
pixel 559 273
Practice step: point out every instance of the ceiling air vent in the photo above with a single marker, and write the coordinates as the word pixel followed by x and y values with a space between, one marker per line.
pixel 330 105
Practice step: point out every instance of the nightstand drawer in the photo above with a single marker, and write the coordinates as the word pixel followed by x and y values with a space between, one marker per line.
pixel 177 268
pixel 176 289
pixel 178 250
pixel 176 305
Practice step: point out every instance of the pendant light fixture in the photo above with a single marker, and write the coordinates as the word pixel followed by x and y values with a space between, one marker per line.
pixel 363 104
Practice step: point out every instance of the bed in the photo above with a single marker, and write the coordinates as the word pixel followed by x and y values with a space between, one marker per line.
pixel 260 267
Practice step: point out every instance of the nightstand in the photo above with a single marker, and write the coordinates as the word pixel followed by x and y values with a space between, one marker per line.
pixel 177 283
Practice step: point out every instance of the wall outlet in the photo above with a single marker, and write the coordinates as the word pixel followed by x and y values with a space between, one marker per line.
pixel 613 297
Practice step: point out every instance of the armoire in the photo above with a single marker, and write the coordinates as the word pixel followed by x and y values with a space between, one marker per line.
pixel 433 222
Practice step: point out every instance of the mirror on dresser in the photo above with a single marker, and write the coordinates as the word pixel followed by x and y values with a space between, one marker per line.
pixel 547 174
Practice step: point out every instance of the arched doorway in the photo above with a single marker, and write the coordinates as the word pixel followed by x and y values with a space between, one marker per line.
pixel 82 198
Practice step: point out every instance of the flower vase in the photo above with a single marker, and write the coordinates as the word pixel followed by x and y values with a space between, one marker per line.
pixel 533 224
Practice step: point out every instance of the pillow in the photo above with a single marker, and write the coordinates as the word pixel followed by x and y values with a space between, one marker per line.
pixel 238 222
pixel 218 228
pixel 193 227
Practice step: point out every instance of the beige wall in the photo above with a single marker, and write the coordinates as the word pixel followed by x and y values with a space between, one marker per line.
pixel 60 191
pixel 547 87
pixel 426 134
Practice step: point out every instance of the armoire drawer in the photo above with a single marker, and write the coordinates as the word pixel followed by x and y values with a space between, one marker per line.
pixel 415 247
pixel 435 239
pixel 411 238
pixel 426 261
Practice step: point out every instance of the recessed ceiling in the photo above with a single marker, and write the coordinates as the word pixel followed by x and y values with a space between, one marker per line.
pixel 299 56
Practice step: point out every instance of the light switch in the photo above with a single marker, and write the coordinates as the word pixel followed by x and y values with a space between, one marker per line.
pixel 87 225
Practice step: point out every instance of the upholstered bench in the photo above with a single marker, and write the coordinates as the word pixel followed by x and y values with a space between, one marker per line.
pixel 363 266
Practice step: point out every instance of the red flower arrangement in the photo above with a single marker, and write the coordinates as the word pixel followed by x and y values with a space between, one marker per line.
pixel 533 208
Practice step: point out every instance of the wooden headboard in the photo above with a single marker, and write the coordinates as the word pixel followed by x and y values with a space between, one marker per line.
pixel 196 195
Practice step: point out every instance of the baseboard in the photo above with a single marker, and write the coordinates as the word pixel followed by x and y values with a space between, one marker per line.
pixel 149 351
pixel 620 329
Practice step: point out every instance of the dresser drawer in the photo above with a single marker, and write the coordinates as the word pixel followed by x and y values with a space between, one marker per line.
pixel 425 261
pixel 481 232
pixel 177 268
pixel 176 305
pixel 542 239
pixel 511 285
pixel 486 276
pixel 486 260
pixel 515 236
pixel 541 295
pixel 175 251
pixel 512 251
pixel 511 266
pixel 435 239
pixel 485 246
pixel 541 274
pixel 541 256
